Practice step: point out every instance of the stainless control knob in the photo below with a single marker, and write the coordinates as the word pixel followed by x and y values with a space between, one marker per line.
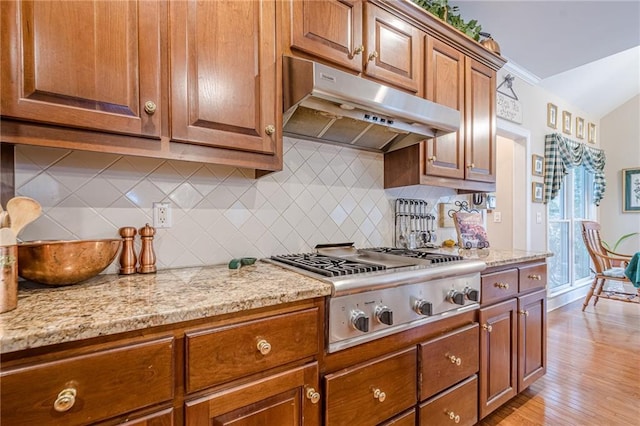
pixel 455 296
pixel 423 307
pixel 385 315
pixel 472 294
pixel 360 321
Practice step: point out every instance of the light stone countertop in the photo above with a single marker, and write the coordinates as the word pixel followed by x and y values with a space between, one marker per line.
pixel 110 304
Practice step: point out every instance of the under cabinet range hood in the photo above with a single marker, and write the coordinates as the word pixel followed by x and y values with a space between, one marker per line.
pixel 328 105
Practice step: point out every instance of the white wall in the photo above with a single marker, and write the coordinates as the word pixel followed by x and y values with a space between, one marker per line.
pixel 620 138
pixel 501 233
pixel 534 101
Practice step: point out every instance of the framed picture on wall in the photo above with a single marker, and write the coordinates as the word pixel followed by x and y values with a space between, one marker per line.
pixel 537 190
pixel 552 116
pixel 591 133
pixel 579 127
pixel 537 165
pixel 566 122
pixel 631 190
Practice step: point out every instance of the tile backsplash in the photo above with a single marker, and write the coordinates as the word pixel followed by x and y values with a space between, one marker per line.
pixel 324 194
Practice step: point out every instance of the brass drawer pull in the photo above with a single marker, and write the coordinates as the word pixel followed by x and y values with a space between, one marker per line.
pixel 372 56
pixel 379 395
pixel 65 400
pixel 313 395
pixel 270 129
pixel 455 360
pixel 358 50
pixel 433 158
pixel 504 286
pixel 535 277
pixel 453 416
pixel 487 327
pixel 264 347
pixel 150 107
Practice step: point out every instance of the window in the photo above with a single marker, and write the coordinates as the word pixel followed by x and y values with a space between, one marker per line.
pixel 570 264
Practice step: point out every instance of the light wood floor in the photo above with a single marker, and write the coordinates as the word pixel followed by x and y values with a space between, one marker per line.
pixel 593 372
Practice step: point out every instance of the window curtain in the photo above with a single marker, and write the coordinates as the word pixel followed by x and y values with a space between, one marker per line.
pixel 561 154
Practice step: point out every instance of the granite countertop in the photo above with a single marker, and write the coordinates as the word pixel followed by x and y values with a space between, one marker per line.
pixel 110 304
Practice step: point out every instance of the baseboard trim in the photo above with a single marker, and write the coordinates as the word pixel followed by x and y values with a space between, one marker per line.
pixel 558 300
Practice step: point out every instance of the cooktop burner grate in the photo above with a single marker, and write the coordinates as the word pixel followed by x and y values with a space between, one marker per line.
pixel 433 257
pixel 327 265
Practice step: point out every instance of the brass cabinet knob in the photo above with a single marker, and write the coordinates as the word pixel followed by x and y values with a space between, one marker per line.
pixel 372 56
pixel 358 50
pixel 453 416
pixel 379 395
pixel 432 158
pixel 455 360
pixel 270 129
pixel 524 312
pixel 504 286
pixel 263 346
pixel 65 400
pixel 487 327
pixel 535 277
pixel 313 395
pixel 471 166
pixel 150 107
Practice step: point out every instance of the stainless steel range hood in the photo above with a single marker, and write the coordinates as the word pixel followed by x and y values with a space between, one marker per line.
pixel 328 105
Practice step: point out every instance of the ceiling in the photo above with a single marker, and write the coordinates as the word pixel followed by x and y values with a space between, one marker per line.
pixel 586 52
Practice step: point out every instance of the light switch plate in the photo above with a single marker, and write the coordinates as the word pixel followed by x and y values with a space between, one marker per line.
pixel 497 217
pixel 539 217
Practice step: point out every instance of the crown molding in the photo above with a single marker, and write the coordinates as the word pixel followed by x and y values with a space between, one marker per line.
pixel 520 72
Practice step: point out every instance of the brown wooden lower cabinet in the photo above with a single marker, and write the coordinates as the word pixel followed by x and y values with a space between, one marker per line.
pixel 457 405
pixel 162 418
pixel 91 387
pixel 373 391
pixel 513 333
pixel 287 398
pixel 407 418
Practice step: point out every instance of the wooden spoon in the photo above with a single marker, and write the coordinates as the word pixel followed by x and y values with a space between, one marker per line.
pixel 22 211
pixel 7 237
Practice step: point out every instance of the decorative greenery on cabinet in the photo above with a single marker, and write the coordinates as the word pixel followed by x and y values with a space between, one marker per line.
pixel 449 14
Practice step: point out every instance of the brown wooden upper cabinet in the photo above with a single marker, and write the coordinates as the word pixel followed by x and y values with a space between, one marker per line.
pixel 187 80
pixel 361 37
pixel 224 80
pixel 84 64
pixel 465 159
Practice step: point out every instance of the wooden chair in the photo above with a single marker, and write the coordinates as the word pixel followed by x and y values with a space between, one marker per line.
pixel 608 265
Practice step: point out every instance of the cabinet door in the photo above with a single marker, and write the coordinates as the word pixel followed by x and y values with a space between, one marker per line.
pixel 498 355
pixel 393 50
pixel 224 74
pixel 532 338
pixel 480 118
pixel 329 29
pixel 86 64
pixel 287 398
pixel 444 82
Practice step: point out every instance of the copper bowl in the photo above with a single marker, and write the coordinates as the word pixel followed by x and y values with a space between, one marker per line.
pixel 65 262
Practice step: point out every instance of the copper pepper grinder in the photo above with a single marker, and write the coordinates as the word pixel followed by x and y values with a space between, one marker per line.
pixel 128 254
pixel 147 255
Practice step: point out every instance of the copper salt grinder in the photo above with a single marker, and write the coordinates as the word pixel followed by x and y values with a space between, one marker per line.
pixel 147 255
pixel 128 254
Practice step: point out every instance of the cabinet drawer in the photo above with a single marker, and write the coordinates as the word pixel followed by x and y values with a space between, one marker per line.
pixel 457 405
pixel 499 285
pixel 222 354
pixel 106 383
pixel 372 392
pixel 448 359
pixel 405 419
pixel 532 277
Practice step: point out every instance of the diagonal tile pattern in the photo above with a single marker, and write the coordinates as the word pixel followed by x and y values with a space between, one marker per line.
pixel 324 194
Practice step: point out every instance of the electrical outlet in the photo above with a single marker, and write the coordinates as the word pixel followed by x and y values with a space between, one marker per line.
pixel 162 215
pixel 538 217
pixel 497 217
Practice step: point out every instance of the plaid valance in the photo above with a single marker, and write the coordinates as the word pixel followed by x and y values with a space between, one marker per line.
pixel 561 154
